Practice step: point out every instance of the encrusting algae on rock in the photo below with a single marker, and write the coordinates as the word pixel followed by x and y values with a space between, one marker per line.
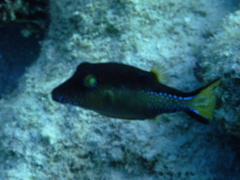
pixel 122 91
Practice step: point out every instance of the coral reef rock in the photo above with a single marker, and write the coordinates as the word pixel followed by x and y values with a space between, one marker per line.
pixel 42 139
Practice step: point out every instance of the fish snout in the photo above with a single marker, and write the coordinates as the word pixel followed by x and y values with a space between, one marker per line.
pixel 57 96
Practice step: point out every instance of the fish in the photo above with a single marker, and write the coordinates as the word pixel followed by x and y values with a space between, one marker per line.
pixel 126 92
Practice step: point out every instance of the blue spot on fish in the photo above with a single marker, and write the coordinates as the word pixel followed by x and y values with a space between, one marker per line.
pixel 188 98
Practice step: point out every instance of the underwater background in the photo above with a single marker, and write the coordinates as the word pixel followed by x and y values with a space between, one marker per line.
pixel 195 41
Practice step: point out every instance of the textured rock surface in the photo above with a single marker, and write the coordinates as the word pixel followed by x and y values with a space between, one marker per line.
pixel 221 58
pixel 41 139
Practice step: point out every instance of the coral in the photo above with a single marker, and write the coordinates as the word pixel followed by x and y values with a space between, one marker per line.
pixel 42 139
pixel 23 24
pixel 33 14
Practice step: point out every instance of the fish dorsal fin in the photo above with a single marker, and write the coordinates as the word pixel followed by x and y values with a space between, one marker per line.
pixel 160 72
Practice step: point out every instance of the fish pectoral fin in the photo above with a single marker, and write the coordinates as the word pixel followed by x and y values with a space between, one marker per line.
pixel 109 94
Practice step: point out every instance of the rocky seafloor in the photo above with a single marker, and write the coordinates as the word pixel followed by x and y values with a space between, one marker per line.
pixel 196 41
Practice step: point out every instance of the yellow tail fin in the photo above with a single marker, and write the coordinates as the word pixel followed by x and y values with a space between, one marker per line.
pixel 204 103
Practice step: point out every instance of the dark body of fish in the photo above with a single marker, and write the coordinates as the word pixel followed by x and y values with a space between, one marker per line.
pixel 126 92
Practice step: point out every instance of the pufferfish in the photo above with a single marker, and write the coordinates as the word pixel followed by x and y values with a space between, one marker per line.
pixel 126 92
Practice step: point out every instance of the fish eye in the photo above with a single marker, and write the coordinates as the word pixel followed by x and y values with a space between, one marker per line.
pixel 90 81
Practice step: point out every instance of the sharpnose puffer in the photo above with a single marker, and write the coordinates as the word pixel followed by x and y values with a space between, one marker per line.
pixel 123 91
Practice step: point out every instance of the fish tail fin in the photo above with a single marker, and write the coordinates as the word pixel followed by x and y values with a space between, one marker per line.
pixel 203 104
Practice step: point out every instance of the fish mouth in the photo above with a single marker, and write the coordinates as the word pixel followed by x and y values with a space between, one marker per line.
pixel 56 96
